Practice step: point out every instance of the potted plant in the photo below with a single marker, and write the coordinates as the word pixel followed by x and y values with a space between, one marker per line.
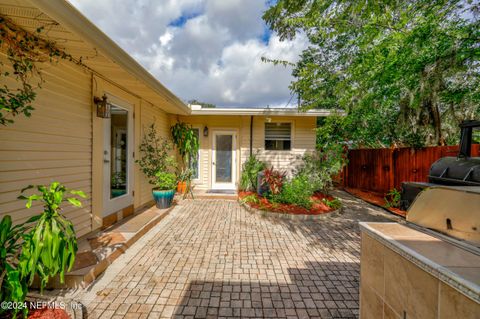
pixel 184 178
pixel 164 190
pixel 156 163
pixel 186 142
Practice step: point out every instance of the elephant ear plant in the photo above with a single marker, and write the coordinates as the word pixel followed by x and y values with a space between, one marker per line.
pixel 49 248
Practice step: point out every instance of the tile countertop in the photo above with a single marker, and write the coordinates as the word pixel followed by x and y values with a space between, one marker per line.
pixel 456 267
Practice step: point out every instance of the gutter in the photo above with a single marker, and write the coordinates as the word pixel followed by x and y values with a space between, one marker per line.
pixel 264 112
pixel 67 15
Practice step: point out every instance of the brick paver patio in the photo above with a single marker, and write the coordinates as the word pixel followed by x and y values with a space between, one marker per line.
pixel 213 259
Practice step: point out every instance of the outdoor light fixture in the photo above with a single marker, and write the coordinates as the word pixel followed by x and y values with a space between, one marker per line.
pixel 103 107
pixel 205 131
pixel 268 119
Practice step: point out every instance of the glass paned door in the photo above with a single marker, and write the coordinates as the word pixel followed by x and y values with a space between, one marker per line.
pixel 118 158
pixel 223 164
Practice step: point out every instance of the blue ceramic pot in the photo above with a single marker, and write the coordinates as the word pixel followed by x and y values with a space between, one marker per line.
pixel 163 198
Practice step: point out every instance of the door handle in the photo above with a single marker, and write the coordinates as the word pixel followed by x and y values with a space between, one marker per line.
pixel 213 163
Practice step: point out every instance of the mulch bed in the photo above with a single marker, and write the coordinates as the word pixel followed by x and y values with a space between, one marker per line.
pixel 318 206
pixel 374 198
pixel 48 313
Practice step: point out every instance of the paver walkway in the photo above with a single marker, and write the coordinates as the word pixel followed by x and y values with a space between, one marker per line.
pixel 212 259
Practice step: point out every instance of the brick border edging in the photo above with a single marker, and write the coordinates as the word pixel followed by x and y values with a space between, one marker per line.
pixel 265 213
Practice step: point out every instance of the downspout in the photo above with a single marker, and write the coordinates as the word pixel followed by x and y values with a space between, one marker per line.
pixel 251 135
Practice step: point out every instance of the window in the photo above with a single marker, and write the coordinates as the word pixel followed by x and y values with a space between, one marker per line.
pixel 278 136
pixel 195 158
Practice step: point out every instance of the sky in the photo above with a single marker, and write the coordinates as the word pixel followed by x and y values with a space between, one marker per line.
pixel 209 50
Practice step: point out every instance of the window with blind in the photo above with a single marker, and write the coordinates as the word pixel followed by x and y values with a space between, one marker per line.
pixel 278 136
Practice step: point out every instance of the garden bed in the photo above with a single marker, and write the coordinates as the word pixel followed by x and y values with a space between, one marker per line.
pixel 318 206
pixel 375 199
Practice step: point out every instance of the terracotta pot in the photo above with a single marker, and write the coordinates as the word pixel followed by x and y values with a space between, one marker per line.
pixel 182 187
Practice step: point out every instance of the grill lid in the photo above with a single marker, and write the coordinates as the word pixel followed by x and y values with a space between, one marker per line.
pixel 456 171
pixel 454 211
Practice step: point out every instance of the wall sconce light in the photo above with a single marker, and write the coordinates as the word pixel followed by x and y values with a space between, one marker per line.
pixel 103 107
pixel 205 131
pixel 268 119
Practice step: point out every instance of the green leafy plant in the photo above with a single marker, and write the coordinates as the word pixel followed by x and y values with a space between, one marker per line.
pixel 322 165
pixel 392 199
pixel 250 170
pixel 165 181
pixel 252 198
pixel 186 142
pixel 12 287
pixel 49 248
pixel 334 203
pixel 405 72
pixel 155 154
pixel 296 191
pixel 24 51
pixel 274 179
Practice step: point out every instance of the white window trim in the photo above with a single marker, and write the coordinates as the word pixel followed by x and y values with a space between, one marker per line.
pixel 292 136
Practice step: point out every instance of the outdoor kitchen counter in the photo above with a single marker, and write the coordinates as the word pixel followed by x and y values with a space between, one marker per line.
pixel 408 273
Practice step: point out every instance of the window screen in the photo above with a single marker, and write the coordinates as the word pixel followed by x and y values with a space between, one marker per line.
pixel 278 136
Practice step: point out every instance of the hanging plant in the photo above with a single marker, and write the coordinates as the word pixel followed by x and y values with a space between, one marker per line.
pixel 186 142
pixel 24 50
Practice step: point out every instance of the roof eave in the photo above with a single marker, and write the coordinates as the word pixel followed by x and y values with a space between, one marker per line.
pixel 265 112
pixel 68 16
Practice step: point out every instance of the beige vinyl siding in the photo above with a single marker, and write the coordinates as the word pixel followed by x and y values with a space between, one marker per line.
pixel 55 144
pixel 303 139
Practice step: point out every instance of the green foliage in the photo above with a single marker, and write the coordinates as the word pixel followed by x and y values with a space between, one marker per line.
pixel 250 170
pixel 274 179
pixel 405 72
pixel 12 287
pixel 334 203
pixel 252 198
pixel 296 191
pixel 155 154
pixel 49 248
pixel 165 181
pixel 393 199
pixel 185 141
pixel 24 51
pixel 322 165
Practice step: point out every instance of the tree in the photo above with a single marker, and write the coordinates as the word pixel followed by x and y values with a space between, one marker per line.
pixel 202 104
pixel 406 72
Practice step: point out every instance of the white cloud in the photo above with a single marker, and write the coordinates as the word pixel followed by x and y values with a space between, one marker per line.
pixel 209 50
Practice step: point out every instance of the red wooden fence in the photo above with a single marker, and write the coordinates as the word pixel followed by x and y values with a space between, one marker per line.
pixel 380 170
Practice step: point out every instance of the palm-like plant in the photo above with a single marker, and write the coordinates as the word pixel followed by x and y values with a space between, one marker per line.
pixel 50 247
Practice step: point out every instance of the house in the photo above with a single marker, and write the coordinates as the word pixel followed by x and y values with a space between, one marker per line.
pixel 65 140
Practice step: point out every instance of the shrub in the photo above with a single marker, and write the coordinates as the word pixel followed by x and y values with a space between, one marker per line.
pixel 274 179
pixel 297 191
pixel 252 198
pixel 165 181
pixel 250 170
pixel 322 165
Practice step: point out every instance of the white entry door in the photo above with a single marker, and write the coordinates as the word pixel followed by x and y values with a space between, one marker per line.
pixel 118 158
pixel 224 160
